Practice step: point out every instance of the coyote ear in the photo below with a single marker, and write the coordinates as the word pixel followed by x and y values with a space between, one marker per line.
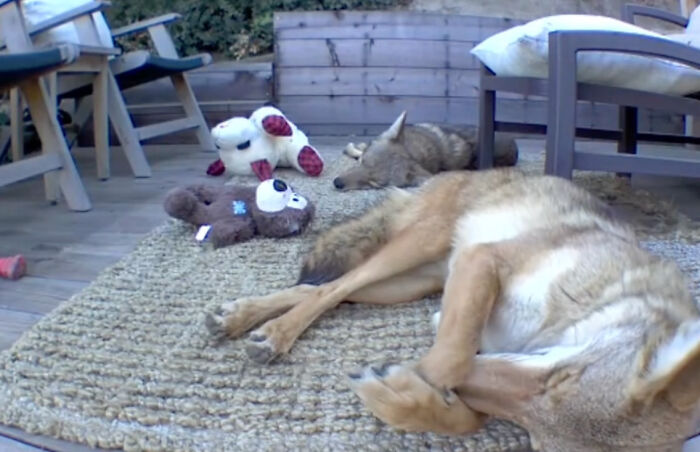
pixel 394 132
pixel 675 369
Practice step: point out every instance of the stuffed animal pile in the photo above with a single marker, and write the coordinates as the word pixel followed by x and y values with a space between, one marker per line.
pixel 259 144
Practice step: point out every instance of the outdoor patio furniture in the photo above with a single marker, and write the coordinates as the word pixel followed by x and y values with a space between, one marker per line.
pixel 136 68
pixel 23 66
pixel 139 67
pixel 563 91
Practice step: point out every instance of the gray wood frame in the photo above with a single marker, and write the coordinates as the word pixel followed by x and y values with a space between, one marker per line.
pixel 129 136
pixel 55 159
pixel 563 92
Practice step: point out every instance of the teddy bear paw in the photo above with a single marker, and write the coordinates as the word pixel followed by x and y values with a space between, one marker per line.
pixel 310 161
pixel 277 125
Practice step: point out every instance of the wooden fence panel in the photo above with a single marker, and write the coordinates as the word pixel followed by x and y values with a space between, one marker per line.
pixel 353 72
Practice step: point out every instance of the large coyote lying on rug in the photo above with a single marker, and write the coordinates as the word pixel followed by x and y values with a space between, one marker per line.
pixel 585 339
pixel 407 155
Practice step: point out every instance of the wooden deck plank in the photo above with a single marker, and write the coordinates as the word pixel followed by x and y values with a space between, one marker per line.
pixel 10 445
pixel 43 442
pixel 36 295
pixel 13 324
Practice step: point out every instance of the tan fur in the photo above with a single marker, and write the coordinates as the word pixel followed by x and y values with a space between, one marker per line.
pixel 407 155
pixel 585 339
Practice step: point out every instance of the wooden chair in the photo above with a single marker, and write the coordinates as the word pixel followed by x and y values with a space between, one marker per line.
pixel 129 70
pixel 136 68
pixel 23 66
pixel 563 91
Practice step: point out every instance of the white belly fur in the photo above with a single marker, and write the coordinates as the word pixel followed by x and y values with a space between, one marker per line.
pixel 521 311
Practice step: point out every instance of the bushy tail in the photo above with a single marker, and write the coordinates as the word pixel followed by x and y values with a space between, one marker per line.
pixel 347 245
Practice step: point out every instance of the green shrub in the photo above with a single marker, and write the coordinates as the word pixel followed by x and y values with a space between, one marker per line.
pixel 234 28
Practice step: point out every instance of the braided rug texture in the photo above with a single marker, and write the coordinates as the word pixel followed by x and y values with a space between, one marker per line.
pixel 128 364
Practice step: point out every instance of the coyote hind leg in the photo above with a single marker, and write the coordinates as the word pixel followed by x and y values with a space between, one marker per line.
pixel 420 397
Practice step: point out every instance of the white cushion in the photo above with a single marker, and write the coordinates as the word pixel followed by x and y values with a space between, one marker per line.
pixel 36 11
pixel 693 26
pixel 522 51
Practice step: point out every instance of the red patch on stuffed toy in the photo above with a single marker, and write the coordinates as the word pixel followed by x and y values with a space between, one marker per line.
pixel 310 161
pixel 216 169
pixel 262 169
pixel 277 126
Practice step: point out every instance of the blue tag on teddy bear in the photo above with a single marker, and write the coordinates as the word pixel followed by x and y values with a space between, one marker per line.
pixel 239 208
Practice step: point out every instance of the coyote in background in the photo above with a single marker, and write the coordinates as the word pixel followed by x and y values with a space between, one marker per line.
pixel 585 339
pixel 407 155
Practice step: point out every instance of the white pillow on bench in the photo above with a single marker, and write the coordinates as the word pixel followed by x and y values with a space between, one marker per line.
pixel 36 11
pixel 522 51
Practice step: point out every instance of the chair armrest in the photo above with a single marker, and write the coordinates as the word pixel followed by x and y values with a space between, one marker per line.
pixel 629 11
pixel 563 45
pixel 144 25
pixel 68 16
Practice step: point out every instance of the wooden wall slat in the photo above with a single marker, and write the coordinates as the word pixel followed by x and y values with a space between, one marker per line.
pixel 448 110
pixel 449 32
pixel 311 19
pixel 208 86
pixel 373 53
pixel 354 114
pixel 325 81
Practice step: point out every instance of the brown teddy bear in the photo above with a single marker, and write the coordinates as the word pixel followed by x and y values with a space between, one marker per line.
pixel 238 213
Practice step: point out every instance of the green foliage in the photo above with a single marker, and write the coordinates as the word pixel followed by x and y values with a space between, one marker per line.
pixel 235 28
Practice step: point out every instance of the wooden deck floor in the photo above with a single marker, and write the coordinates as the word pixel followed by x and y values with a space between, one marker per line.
pixel 66 250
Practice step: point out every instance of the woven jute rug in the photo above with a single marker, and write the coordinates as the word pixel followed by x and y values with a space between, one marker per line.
pixel 127 363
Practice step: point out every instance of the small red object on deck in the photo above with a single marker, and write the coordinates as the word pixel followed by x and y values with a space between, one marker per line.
pixel 12 267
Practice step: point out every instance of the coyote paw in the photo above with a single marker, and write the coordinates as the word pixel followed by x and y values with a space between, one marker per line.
pixel 232 319
pixel 268 342
pixel 260 348
pixel 399 396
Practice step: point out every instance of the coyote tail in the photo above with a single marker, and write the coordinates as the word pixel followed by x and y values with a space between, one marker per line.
pixel 346 245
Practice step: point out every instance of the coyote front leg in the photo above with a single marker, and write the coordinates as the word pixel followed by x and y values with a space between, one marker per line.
pixel 420 398
pixel 410 249
pixel 239 316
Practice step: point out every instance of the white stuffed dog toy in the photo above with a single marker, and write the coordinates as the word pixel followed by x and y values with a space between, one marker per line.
pixel 259 144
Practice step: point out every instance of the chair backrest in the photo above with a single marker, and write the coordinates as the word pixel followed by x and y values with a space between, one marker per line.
pixel 687 7
pixel 36 11
pixel 13 31
pixel 693 22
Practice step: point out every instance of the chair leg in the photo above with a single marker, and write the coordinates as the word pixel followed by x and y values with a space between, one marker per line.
pixel 52 189
pixel 192 110
pixel 628 128
pixel 16 125
pixel 100 120
pixel 561 111
pixel 52 140
pixel 124 128
pixel 487 118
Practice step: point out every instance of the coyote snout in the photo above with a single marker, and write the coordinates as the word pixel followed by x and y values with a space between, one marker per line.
pixel 407 155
